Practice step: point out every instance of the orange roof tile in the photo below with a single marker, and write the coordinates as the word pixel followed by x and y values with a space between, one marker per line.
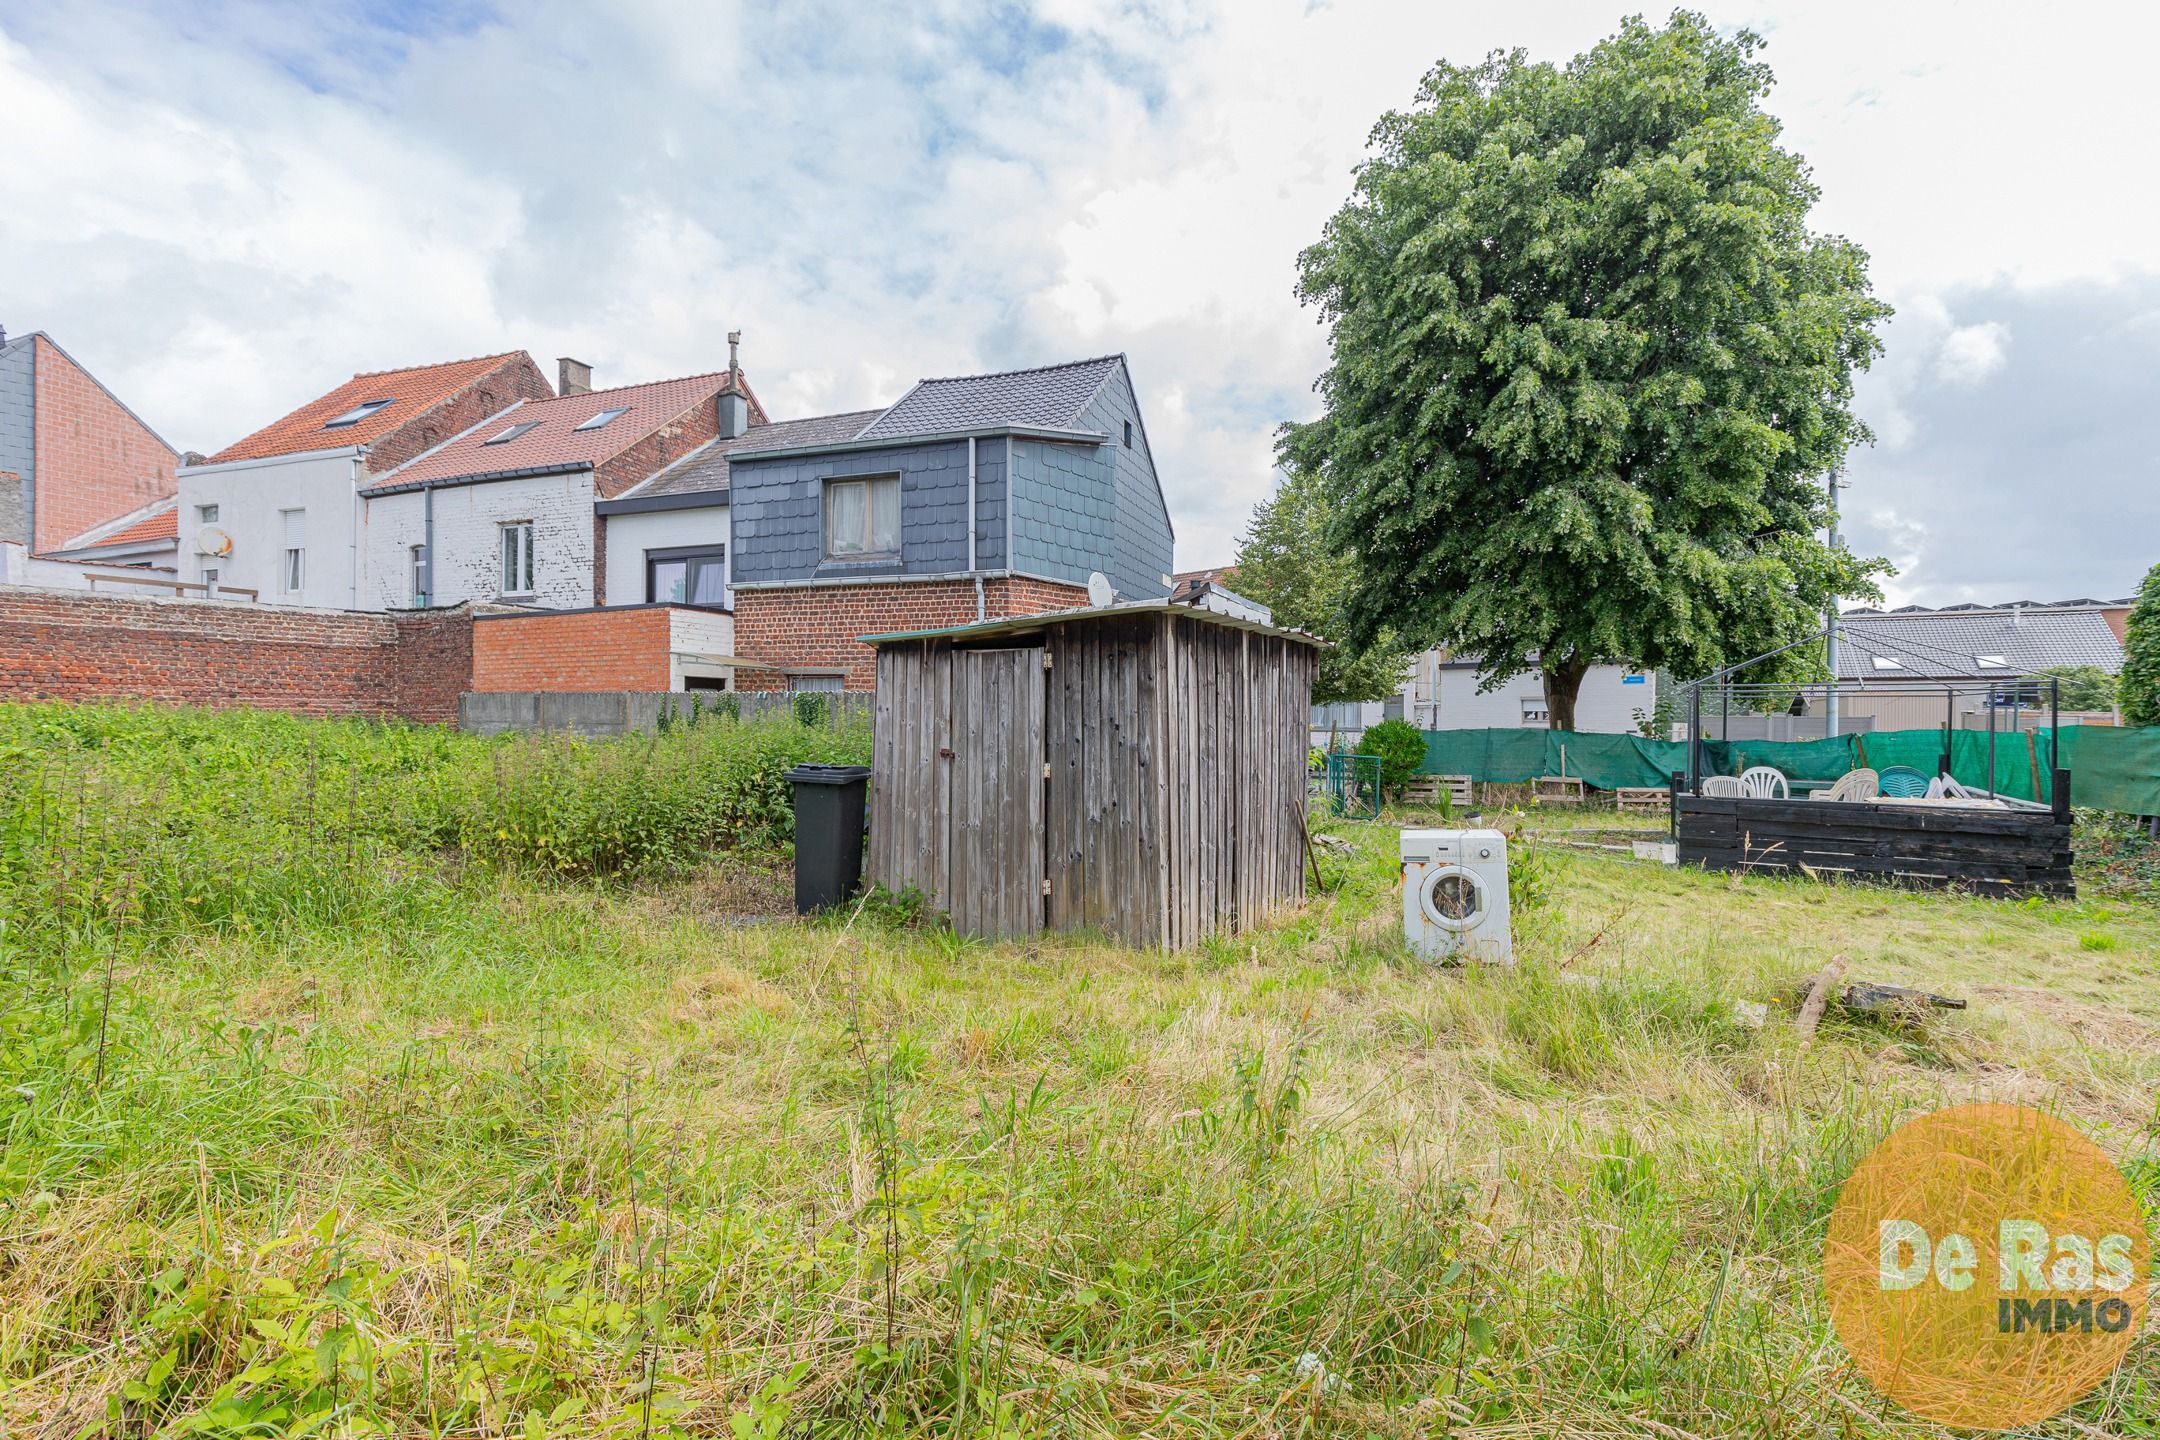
pixel 163 526
pixel 412 392
pixel 554 439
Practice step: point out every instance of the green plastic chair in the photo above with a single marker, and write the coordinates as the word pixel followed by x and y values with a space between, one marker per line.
pixel 1902 782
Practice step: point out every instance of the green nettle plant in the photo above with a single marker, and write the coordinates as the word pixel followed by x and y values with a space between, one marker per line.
pixel 1590 367
pixel 1400 747
pixel 2139 683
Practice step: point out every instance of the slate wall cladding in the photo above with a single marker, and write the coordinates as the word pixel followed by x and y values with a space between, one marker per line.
pixel 18 437
pixel 778 534
pixel 1064 510
pixel 1143 535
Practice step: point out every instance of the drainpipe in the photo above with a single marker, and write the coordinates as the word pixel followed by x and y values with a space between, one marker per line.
pixel 980 609
pixel 427 542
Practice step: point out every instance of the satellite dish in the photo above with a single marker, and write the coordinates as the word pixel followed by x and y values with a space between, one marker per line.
pixel 210 540
pixel 1099 591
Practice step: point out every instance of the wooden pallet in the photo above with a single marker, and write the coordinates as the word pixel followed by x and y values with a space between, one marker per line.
pixel 1561 789
pixel 1654 799
pixel 1429 790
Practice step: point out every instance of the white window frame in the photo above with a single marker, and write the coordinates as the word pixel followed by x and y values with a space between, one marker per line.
pixel 828 549
pixel 419 574
pixel 1535 711
pixel 292 574
pixel 206 514
pixel 514 549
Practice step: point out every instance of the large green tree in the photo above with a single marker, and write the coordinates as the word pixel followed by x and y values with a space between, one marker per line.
pixel 1287 562
pixel 1590 367
pixel 2139 684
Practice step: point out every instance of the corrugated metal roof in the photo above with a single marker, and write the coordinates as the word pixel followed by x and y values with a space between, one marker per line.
pixel 1016 624
pixel 1052 396
pixel 1941 644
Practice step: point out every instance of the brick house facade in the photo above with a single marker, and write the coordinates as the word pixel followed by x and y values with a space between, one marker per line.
pixel 81 459
pixel 813 629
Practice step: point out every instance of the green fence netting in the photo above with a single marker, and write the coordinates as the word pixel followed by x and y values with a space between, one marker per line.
pixel 2112 768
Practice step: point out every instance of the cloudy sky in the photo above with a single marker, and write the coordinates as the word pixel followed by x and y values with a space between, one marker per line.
pixel 226 208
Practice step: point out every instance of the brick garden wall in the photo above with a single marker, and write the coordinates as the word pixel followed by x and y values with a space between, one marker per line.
pixel 573 651
pixel 63 645
pixel 814 627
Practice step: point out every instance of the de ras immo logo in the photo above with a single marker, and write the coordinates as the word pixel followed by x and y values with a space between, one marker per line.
pixel 1987 1266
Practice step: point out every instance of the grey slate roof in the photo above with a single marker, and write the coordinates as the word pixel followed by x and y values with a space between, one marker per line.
pixel 1051 396
pixel 705 469
pixel 1948 644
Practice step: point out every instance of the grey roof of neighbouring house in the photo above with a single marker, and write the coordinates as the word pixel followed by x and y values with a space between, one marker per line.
pixel 1946 644
pixel 705 469
pixel 1051 396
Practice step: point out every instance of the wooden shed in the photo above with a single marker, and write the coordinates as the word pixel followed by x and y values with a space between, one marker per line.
pixel 1137 769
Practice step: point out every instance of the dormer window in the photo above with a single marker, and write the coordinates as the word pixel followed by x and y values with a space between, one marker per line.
pixel 505 436
pixel 358 413
pixel 602 418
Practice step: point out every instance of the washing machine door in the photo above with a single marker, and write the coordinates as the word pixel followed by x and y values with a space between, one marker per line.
pixel 1453 898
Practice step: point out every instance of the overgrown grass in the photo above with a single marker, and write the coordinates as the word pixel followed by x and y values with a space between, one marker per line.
pixel 510 1145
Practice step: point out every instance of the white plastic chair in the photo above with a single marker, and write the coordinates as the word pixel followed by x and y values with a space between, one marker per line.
pixel 1722 787
pixel 1861 784
pixel 1764 782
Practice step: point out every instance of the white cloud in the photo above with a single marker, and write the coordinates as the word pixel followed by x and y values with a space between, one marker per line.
pixel 1971 353
pixel 226 206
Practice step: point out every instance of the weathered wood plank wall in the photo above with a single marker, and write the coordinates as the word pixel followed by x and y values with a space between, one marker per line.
pixel 997 792
pixel 1167 761
pixel 1991 852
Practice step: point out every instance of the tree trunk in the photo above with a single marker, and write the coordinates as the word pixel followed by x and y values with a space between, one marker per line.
pixel 1563 682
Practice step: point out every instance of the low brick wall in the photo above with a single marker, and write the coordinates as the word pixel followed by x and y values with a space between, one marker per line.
pixel 814 627
pixel 574 651
pixel 68 645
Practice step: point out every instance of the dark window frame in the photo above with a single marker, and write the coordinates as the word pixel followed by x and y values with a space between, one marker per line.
pixel 665 554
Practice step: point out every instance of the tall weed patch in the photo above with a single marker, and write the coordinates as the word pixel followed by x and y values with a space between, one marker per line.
pixel 146 822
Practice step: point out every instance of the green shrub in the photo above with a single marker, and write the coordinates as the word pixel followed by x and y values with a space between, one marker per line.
pixel 1400 747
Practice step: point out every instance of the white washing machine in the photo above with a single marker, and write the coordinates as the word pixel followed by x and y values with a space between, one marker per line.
pixel 1455 900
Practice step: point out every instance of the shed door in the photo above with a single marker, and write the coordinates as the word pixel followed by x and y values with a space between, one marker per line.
pixel 997 792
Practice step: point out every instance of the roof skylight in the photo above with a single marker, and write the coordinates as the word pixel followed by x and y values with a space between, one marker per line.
pixel 1884 662
pixel 512 433
pixel 1992 662
pixel 602 418
pixel 358 413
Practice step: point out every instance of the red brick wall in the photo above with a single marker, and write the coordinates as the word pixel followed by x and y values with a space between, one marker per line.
pixel 69 646
pixel 813 627
pixel 95 461
pixel 577 650
pixel 516 379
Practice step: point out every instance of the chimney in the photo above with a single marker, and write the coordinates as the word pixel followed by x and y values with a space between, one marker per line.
pixel 574 377
pixel 734 409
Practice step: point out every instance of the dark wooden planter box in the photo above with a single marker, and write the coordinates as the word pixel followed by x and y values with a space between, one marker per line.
pixel 1989 852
